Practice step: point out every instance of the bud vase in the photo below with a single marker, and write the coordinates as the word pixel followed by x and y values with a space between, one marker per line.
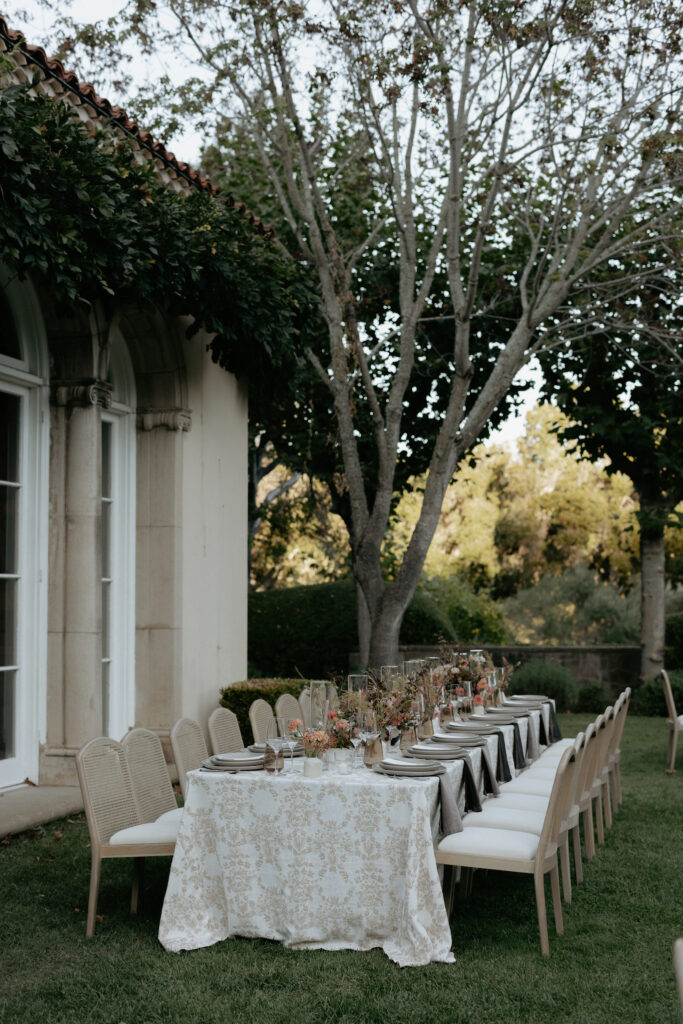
pixel 313 768
pixel 374 751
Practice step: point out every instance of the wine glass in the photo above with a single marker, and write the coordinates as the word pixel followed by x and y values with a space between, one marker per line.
pixel 275 741
pixel 354 719
pixel 291 735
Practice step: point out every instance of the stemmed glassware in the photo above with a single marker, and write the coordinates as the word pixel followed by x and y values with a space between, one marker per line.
pixel 291 735
pixel 276 730
pixel 355 734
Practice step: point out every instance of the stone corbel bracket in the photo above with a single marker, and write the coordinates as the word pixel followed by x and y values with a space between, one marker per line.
pixel 171 419
pixel 80 394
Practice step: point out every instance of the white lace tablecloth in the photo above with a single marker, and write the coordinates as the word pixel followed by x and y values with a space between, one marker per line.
pixel 343 862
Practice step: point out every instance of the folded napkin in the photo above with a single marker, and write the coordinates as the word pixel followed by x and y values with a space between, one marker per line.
pixel 472 802
pixel 555 733
pixel 517 747
pixel 503 773
pixel 451 822
pixel 489 776
pixel 532 750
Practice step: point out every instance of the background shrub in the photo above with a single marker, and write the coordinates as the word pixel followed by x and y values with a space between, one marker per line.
pixel 549 678
pixel 674 640
pixel 240 696
pixel 312 630
pixel 591 698
pixel 475 617
pixel 648 699
pixel 574 607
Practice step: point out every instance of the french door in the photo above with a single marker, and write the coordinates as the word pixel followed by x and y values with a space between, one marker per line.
pixel 22 644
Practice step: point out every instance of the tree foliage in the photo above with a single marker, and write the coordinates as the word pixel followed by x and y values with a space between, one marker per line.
pixel 81 214
pixel 457 176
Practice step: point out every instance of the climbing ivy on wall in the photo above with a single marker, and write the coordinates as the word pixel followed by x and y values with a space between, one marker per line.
pixel 81 215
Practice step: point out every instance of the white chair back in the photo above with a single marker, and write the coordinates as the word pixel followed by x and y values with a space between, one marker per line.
pixel 149 774
pixel 189 748
pixel 224 732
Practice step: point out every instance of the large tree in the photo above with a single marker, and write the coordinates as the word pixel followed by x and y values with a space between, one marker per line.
pixel 501 155
pixel 626 402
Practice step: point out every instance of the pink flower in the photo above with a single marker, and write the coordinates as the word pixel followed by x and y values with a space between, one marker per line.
pixel 479 699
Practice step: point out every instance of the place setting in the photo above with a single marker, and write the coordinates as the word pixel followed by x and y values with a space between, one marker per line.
pixel 241 761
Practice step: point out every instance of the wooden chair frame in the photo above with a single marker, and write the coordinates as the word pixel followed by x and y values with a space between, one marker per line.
pixel 675 724
pixel 110 808
pixel 543 862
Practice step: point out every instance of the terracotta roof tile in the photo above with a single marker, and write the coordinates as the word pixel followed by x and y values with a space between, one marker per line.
pixel 54 68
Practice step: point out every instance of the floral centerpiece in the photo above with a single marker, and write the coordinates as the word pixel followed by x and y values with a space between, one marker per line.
pixel 338 732
pixel 314 741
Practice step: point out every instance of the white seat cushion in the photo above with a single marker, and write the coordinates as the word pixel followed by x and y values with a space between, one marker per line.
pixel 542 773
pixel 149 833
pixel 524 784
pixel 524 801
pixel 174 815
pixel 491 842
pixel 508 817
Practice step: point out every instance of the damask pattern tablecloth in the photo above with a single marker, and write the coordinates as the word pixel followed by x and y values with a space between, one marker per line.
pixel 343 862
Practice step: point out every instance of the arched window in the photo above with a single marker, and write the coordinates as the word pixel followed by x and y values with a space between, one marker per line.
pixel 24 440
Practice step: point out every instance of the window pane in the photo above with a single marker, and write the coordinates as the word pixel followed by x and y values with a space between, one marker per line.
pixel 106 592
pixel 7 699
pixel 9 339
pixel 8 620
pixel 105 698
pixel 9 436
pixel 9 497
pixel 106 460
pixel 106 538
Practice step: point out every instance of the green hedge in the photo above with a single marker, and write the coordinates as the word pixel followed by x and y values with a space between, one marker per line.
pixel 648 699
pixel 240 696
pixel 312 630
pixel 549 678
pixel 475 617
pixel 674 640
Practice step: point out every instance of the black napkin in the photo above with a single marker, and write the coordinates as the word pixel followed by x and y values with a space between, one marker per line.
pixel 517 748
pixel 555 733
pixel 503 768
pixel 472 802
pixel 489 776
pixel 451 822
pixel 542 734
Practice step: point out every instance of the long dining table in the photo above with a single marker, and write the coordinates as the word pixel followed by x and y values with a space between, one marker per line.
pixel 345 861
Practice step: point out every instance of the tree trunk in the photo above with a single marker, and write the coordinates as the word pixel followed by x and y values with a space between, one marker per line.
pixel 652 600
pixel 384 635
pixel 364 625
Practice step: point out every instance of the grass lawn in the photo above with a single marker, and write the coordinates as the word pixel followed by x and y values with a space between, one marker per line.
pixel 613 963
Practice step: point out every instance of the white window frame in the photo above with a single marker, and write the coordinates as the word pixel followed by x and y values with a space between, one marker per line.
pixel 121 416
pixel 27 378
